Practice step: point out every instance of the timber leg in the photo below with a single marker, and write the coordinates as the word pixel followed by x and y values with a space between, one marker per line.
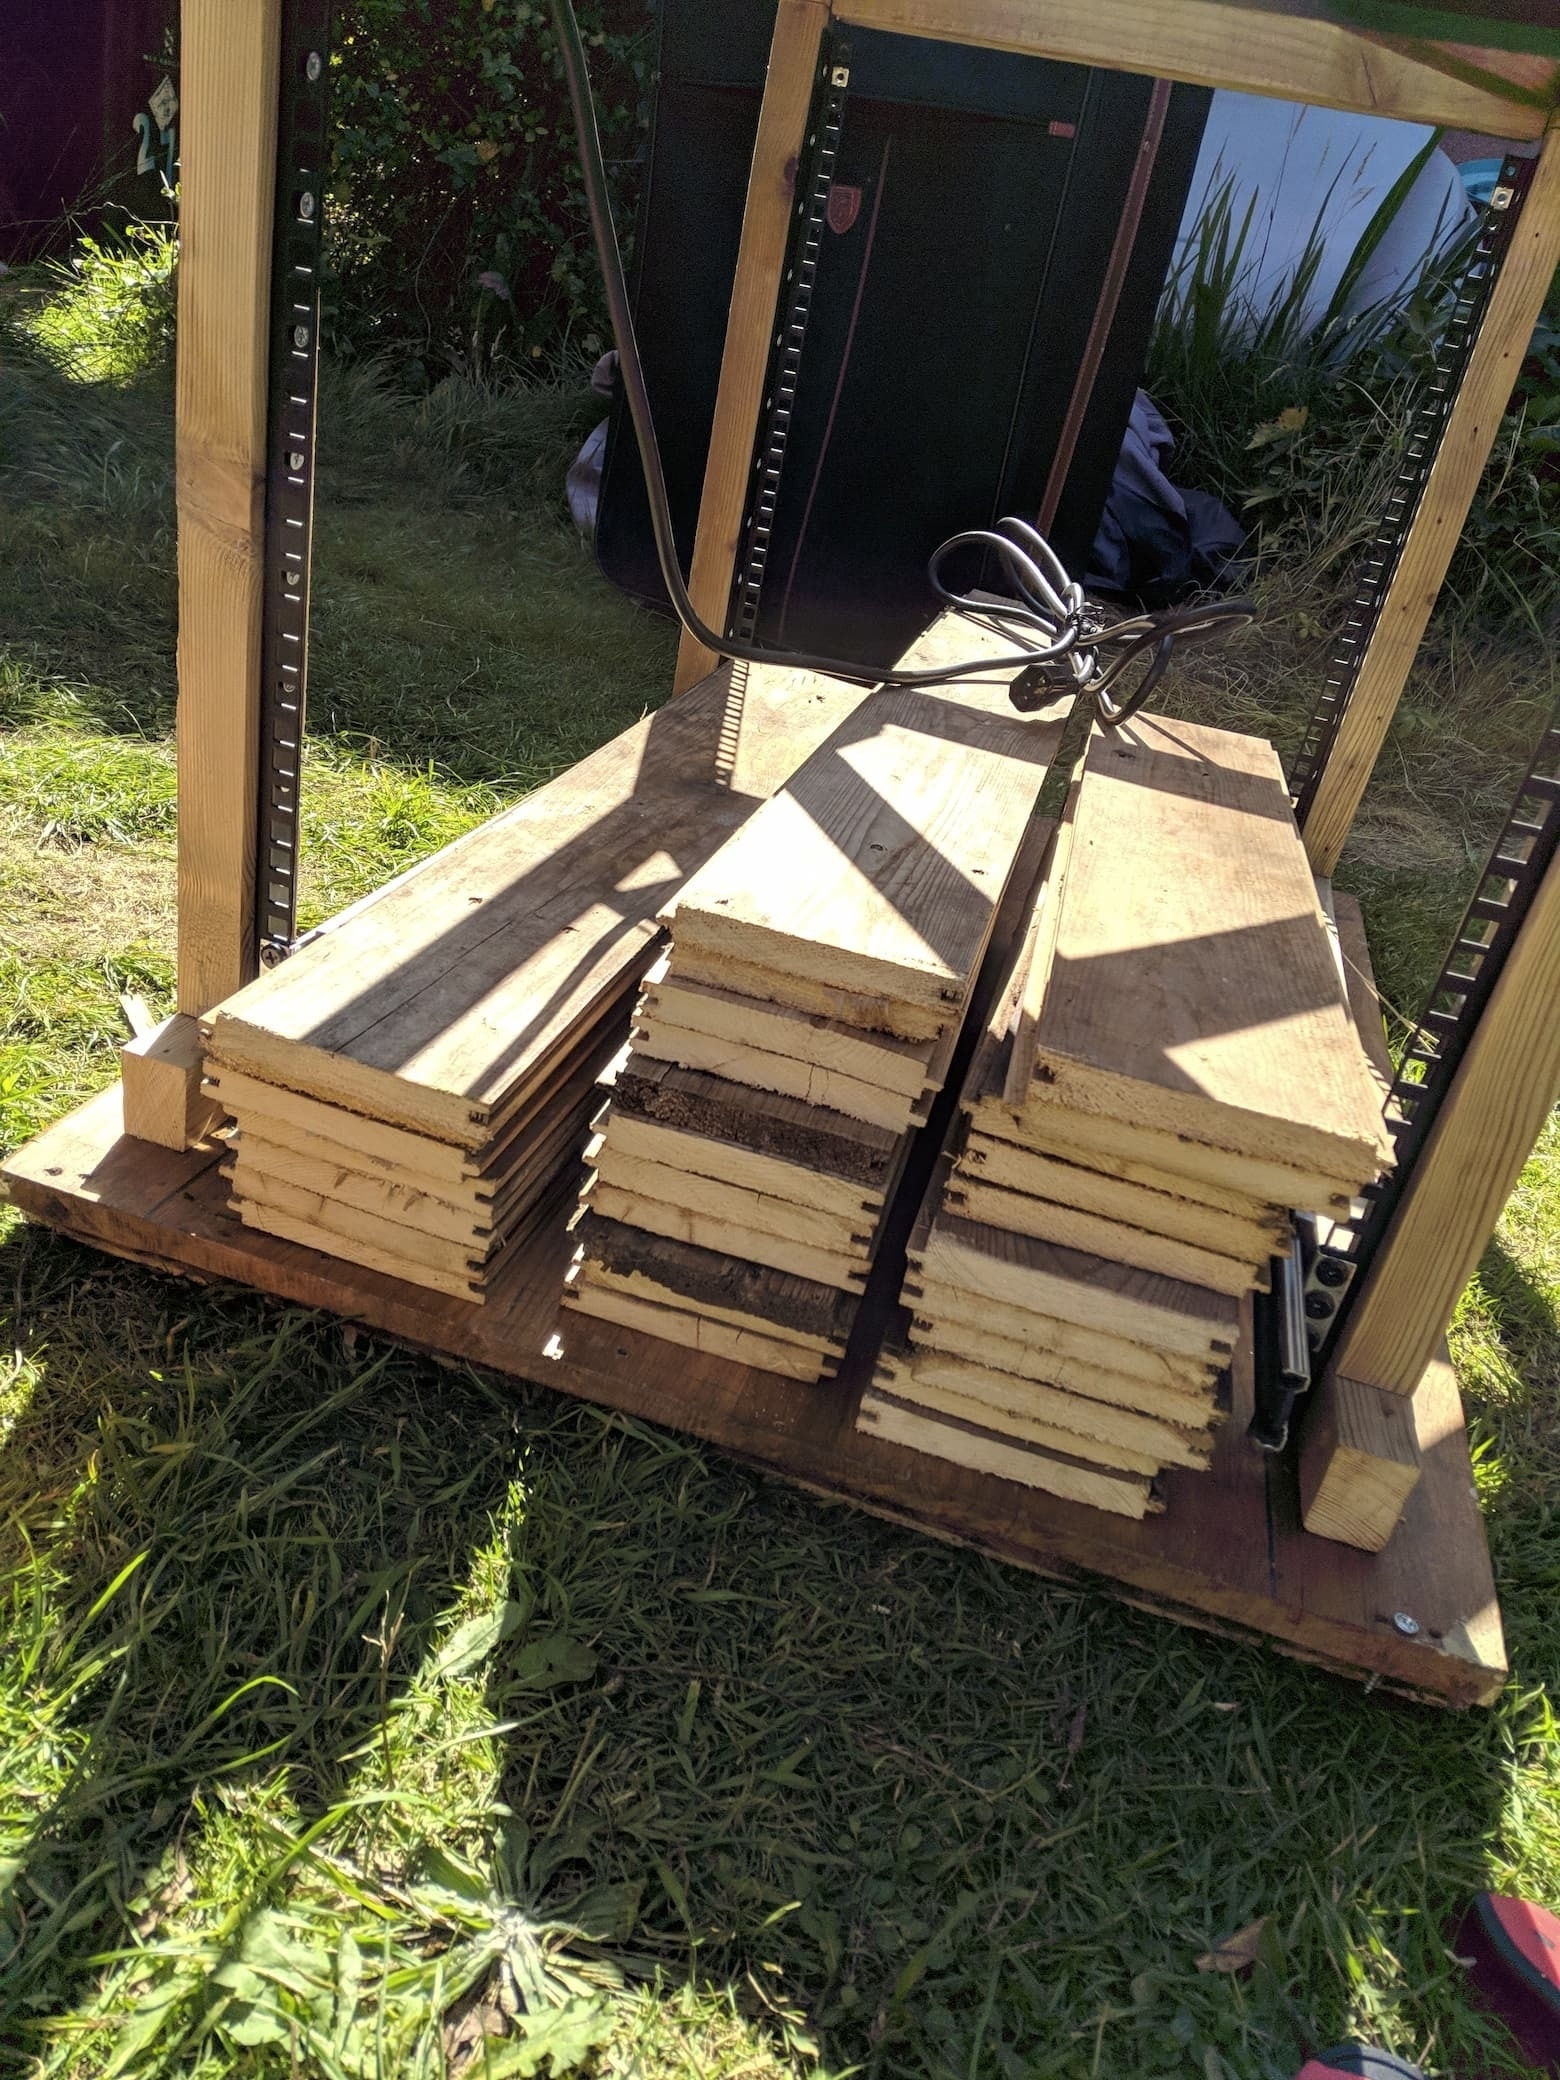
pixel 163 1098
pixel 1359 1462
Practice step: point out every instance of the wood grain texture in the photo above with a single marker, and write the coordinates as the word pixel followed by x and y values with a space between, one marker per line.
pixel 1021 1214
pixel 832 1267
pixel 730 1163
pixel 786 1128
pixel 1359 1461
pixel 983 1451
pixel 783 1074
pixel 1019 1425
pixel 1192 989
pixel 983 1161
pixel 880 1014
pixel 715 1282
pixel 436 1003
pixel 878 866
pixel 1228 1552
pixel 1465 445
pixel 1096 1294
pixel 1293 54
pixel 948 1312
pixel 227 144
pixel 849 1237
pixel 161 1074
pixel 828 1044
pixel 755 297
pixel 923 1372
pixel 695 1332
pixel 1504 1090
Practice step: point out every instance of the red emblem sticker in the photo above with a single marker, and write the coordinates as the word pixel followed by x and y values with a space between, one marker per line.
pixel 844 206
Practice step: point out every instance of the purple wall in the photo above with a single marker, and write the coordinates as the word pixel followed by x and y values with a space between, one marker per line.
pixel 76 129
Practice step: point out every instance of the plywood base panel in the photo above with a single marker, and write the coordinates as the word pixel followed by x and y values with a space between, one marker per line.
pixel 1228 1552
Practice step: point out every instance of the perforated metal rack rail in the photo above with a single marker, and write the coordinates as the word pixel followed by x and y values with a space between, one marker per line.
pixel 1432 408
pixel 289 490
pixel 785 359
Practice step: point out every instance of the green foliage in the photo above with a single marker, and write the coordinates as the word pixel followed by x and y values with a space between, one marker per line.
pixel 454 157
pixel 110 314
pixel 1299 429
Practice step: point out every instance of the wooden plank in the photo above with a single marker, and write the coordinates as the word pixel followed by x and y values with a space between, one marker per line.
pixel 1360 980
pixel 945 1437
pixel 1359 1462
pixel 1465 445
pixel 695 1332
pixel 1504 1090
pixel 877 1058
pixel 730 1163
pixel 943 1313
pixel 755 296
pixel 1294 56
pixel 1228 1552
pixel 438 1001
pixel 160 1070
pixel 227 143
pixel 986 1162
pixel 948 1336
pixel 1018 1425
pixel 460 1285
pixel 718 1282
pixel 787 1129
pixel 1021 1214
pixel 830 1267
pixel 634 1285
pixel 1093 1138
pixel 879 865
pixel 1090 1291
pixel 779 1073
pixel 258 1196
pixel 1192 989
pixel 1003 1394
pixel 849 1237
pixel 880 1014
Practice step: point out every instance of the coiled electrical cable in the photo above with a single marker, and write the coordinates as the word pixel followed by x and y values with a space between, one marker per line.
pixel 1066 643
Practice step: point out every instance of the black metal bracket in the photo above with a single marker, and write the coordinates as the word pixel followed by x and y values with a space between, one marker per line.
pixel 1432 410
pixel 289 489
pixel 814 175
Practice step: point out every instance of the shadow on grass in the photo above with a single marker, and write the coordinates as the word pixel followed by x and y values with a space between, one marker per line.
pixel 963 1820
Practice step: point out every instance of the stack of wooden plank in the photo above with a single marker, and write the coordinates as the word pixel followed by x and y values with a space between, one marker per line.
pixel 1172 1068
pixel 412 1090
pixel 803 1019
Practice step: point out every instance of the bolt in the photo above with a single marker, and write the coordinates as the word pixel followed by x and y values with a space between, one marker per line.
pixel 1409 1627
pixel 292 581
pixel 313 66
pixel 306 204
pixel 300 335
pixel 296 459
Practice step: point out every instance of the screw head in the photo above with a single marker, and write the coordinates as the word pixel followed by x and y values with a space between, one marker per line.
pixel 313 66
pixel 300 335
pixel 1409 1627
pixel 306 204
pixel 292 580
pixel 296 459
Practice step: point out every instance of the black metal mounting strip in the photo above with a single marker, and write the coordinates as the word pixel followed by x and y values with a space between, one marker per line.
pixel 289 486
pixel 814 176
pixel 1432 410
pixel 1520 858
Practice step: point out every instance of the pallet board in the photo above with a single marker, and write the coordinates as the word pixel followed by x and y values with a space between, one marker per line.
pixel 1228 1551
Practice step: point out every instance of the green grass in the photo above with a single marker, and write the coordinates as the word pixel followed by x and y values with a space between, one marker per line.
pixel 351 1705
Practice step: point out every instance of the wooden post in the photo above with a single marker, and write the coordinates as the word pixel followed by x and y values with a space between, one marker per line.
pixel 755 293
pixel 228 93
pixel 1359 1462
pixel 1502 1094
pixel 1496 362
pixel 228 88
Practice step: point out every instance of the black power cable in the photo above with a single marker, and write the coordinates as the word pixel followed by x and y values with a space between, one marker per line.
pixel 1068 645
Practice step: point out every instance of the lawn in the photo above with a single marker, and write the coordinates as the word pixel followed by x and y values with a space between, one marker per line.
pixel 351 1704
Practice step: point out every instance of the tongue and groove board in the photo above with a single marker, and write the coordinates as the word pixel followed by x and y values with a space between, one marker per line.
pixel 440 1004
pixel 1188 897
pixel 877 868
pixel 1228 1552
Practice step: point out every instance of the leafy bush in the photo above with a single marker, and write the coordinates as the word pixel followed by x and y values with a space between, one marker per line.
pixel 108 312
pixel 457 224
pixel 1299 429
